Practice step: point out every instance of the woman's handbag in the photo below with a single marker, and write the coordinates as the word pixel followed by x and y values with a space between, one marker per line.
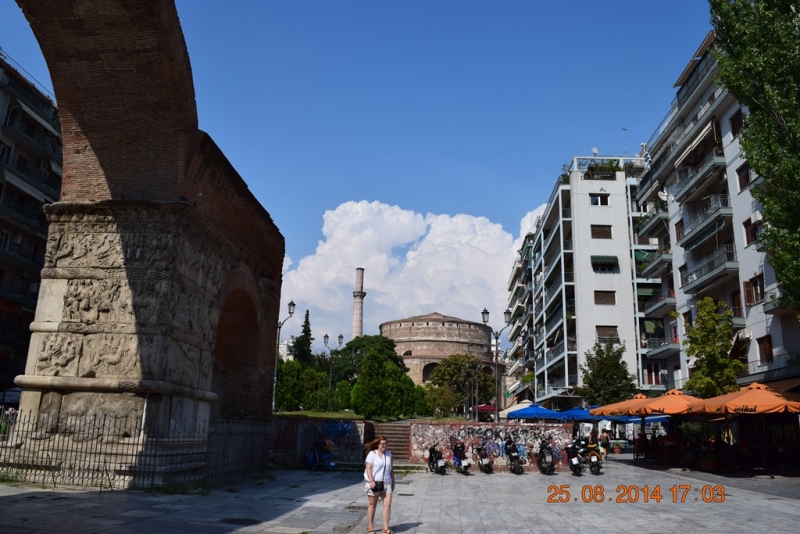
pixel 378 487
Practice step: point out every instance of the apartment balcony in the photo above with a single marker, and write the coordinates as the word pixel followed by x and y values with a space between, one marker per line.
pixel 710 270
pixel 39 145
pixel 776 302
pixel 516 366
pixel 657 263
pixel 44 111
pixel 739 320
pixel 513 387
pixel 706 224
pixel 690 179
pixel 661 304
pixel 516 271
pixel 772 368
pixel 38 179
pixel 553 289
pixel 655 221
pixel 661 347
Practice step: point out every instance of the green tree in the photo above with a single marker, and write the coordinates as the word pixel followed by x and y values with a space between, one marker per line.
pixel 441 400
pixel 348 359
pixel 457 373
pixel 290 387
pixel 315 389
pixel 366 398
pixel 709 341
pixel 757 47
pixel 605 375
pixel 301 350
pixel 341 396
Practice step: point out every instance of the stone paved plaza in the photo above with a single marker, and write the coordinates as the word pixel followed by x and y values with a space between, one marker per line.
pixel 302 501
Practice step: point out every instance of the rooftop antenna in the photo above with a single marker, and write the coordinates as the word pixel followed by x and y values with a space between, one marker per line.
pixel 595 150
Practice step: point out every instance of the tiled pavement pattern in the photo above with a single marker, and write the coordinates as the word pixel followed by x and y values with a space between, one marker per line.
pixel 291 502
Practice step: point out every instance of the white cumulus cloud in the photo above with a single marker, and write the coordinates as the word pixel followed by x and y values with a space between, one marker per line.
pixel 414 264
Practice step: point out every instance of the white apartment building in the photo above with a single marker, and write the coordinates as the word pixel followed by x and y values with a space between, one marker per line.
pixel 700 212
pixel 574 283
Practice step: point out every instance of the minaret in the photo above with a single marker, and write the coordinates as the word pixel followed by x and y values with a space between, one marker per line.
pixel 358 305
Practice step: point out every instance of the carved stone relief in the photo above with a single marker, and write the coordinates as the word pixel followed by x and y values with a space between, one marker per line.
pixel 122 355
pixel 59 355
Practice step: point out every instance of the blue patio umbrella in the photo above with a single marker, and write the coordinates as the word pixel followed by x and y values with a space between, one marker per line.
pixel 576 413
pixel 534 411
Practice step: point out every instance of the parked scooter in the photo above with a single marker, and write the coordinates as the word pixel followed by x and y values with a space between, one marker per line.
pixel 512 456
pixel 460 460
pixel 484 462
pixel 581 453
pixel 435 460
pixel 544 458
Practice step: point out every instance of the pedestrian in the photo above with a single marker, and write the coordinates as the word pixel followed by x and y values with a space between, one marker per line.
pixel 379 482
pixel 606 442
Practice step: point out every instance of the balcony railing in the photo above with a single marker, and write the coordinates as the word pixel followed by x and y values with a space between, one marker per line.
pixel 718 258
pixel 51 148
pixel 566 213
pixel 47 110
pixel 778 362
pixel 664 295
pixel 687 177
pixel 34 177
pixel 715 205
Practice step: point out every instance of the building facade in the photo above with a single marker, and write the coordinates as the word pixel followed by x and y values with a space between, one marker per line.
pixel 30 176
pixel 574 282
pixel 700 210
pixel 425 340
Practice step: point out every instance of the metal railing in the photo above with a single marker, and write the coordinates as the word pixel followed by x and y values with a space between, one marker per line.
pixel 716 204
pixel 686 176
pixel 117 452
pixel 721 256
pixel 775 362
pixel 666 294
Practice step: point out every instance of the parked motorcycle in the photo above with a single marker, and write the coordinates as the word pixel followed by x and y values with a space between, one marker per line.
pixel 544 458
pixel 435 460
pixel 581 453
pixel 484 462
pixel 512 456
pixel 460 460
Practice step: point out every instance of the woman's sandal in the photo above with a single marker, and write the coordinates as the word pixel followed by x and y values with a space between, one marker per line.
pixel 388 531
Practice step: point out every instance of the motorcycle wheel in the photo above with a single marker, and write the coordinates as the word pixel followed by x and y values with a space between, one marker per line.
pixel 595 468
pixel 551 469
pixel 542 468
pixel 516 468
pixel 576 469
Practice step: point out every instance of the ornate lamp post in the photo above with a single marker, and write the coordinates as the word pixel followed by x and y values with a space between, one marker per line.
pixel 507 317
pixel 326 338
pixel 278 355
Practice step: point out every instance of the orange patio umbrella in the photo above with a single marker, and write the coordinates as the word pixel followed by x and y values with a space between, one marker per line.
pixel 618 407
pixel 755 398
pixel 673 402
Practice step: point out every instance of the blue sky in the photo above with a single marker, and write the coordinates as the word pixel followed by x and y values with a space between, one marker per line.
pixel 415 138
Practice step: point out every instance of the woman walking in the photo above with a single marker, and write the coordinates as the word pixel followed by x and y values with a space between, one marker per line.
pixel 379 482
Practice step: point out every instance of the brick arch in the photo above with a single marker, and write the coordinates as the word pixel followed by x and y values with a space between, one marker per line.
pixel 428 370
pixel 150 211
pixel 120 70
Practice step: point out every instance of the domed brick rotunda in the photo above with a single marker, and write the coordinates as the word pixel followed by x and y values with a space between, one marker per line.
pixel 425 340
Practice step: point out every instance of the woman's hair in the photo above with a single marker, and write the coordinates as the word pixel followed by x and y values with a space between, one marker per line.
pixel 373 445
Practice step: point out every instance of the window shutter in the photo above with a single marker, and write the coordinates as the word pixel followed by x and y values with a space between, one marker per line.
pixel 749 294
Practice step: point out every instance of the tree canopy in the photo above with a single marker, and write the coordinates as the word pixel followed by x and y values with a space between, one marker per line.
pixel 709 341
pixel 301 349
pixel 458 372
pixel 348 359
pixel 757 47
pixel 606 378
pixel 382 388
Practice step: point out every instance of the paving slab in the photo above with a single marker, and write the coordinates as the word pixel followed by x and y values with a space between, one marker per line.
pixel 624 498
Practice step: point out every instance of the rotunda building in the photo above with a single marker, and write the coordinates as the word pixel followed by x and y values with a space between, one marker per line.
pixel 425 340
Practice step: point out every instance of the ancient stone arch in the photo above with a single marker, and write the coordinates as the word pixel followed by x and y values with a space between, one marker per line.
pixel 157 250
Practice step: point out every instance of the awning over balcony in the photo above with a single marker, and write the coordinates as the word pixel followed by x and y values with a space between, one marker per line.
pixel 697 140
pixel 35 116
pixel 611 260
pixel 710 231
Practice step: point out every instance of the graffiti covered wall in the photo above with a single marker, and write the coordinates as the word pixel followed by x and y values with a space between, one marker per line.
pixel 527 436
pixel 295 438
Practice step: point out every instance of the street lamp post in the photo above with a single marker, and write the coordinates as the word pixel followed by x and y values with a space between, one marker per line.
pixel 278 354
pixel 326 338
pixel 507 317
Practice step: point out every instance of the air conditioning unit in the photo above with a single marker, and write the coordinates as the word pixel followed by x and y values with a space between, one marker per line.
pixel 744 334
